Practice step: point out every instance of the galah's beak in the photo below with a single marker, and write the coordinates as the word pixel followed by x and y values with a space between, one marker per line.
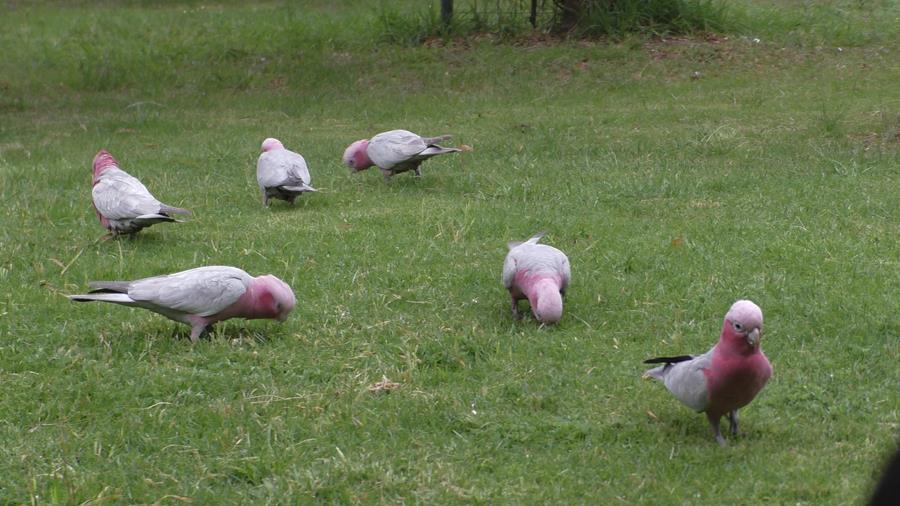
pixel 753 337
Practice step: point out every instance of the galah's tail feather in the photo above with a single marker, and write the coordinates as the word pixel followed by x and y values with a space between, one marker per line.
pixel 435 140
pixel 298 188
pixel 669 360
pixel 531 240
pixel 437 150
pixel 145 220
pixel 172 210
pixel 117 298
pixel 109 286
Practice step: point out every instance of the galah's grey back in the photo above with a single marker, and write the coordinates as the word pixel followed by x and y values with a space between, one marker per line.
pixel 397 149
pixel 203 291
pixel 536 258
pixel 282 174
pixel 119 195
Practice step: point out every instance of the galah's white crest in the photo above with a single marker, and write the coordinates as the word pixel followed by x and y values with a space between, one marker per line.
pixel 281 173
pixel 200 297
pixel 727 377
pixel 539 273
pixel 394 152
pixel 123 204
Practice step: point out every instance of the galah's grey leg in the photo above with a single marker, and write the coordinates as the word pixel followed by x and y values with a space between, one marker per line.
pixel 714 425
pixel 733 422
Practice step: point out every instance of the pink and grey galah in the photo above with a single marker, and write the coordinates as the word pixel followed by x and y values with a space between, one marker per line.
pixel 727 377
pixel 122 203
pixel 539 273
pixel 281 173
pixel 200 297
pixel 394 152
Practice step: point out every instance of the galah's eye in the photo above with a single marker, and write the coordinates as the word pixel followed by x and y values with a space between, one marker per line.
pixel 738 327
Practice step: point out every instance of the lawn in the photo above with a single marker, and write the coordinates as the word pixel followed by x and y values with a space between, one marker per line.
pixel 678 174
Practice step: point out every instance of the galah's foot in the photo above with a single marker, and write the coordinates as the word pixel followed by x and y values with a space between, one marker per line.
pixel 721 440
pixel 517 315
pixel 107 236
pixel 714 425
pixel 417 172
pixel 733 422
pixel 198 331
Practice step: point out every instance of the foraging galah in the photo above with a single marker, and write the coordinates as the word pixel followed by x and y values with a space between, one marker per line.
pixel 727 377
pixel 281 173
pixel 539 273
pixel 200 297
pixel 122 203
pixel 394 152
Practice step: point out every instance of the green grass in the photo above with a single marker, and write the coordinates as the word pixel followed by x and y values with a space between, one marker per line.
pixel 678 176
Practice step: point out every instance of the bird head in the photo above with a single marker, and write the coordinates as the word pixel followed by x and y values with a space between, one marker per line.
pixel 271 144
pixel 355 156
pixel 102 161
pixel 743 322
pixel 279 296
pixel 548 306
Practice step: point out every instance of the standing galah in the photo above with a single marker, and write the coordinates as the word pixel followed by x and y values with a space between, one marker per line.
pixel 123 204
pixel 394 152
pixel 200 297
pixel 727 377
pixel 281 173
pixel 539 273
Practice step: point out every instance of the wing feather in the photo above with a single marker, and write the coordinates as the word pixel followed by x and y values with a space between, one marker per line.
pixel 686 380
pixel 203 291
pixel 395 147
pixel 282 168
pixel 509 269
pixel 118 196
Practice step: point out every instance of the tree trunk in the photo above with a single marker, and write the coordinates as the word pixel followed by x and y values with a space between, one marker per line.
pixel 446 12
pixel 570 13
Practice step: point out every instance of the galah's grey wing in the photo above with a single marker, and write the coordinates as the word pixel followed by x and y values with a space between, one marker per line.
pixel 509 268
pixel 531 240
pixel 298 171
pixel 392 148
pixel 434 151
pixel 565 272
pixel 686 380
pixel 270 171
pixel 282 168
pixel 121 196
pixel 203 291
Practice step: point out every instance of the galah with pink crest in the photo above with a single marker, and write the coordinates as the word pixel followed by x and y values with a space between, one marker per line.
pixel 394 152
pixel 200 297
pixel 539 273
pixel 122 203
pixel 281 173
pixel 727 377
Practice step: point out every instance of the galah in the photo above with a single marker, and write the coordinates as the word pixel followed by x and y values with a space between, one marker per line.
pixel 727 377
pixel 281 173
pixel 539 273
pixel 200 297
pixel 122 203
pixel 394 152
